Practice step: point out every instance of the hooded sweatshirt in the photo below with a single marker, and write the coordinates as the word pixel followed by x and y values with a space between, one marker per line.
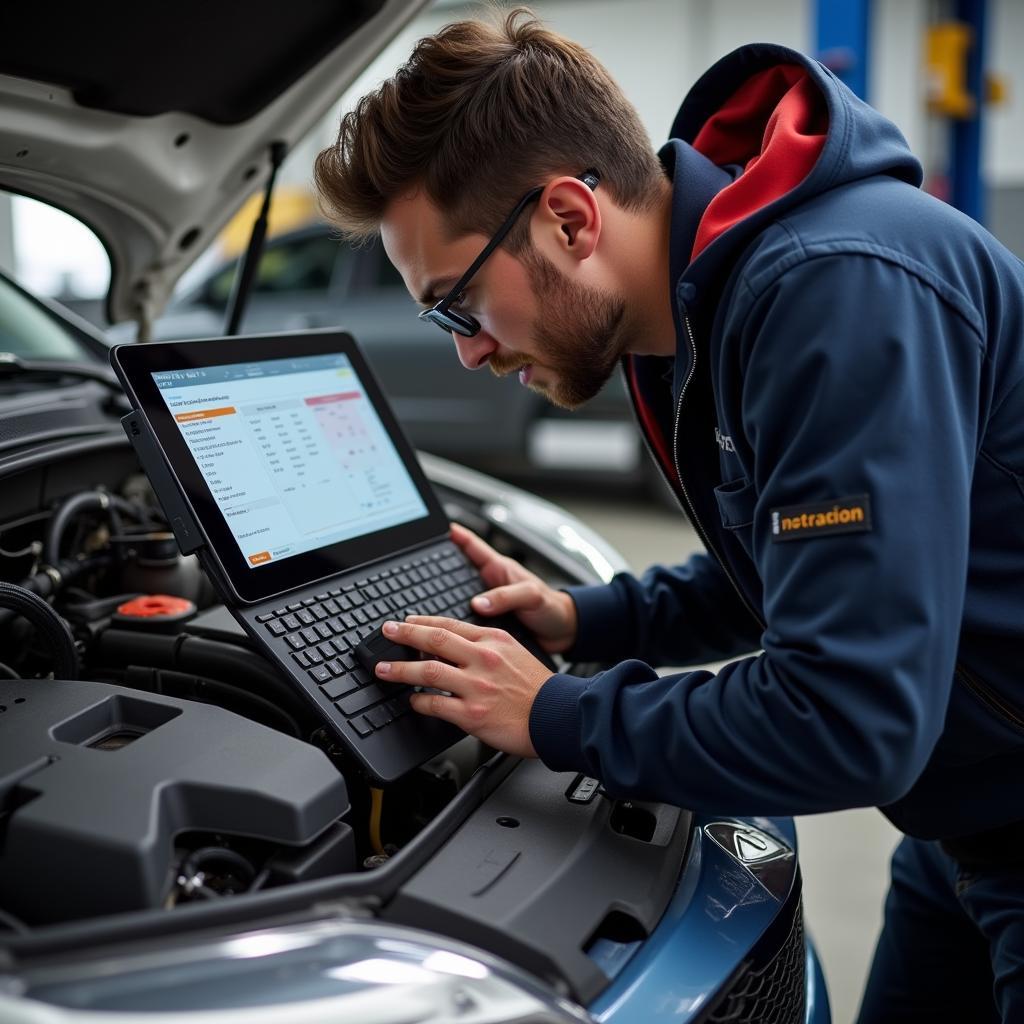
pixel 843 423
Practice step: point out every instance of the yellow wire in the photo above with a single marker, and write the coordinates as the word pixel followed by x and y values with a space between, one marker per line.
pixel 376 807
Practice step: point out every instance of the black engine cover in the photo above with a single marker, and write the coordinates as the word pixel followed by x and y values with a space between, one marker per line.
pixel 96 780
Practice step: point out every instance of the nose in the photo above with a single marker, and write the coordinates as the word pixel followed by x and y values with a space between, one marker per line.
pixel 474 352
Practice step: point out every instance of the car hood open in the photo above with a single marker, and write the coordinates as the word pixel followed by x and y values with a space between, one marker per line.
pixel 154 125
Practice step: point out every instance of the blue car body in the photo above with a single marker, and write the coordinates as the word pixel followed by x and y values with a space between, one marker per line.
pixel 709 954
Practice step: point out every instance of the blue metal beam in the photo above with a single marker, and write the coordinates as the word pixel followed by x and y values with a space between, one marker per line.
pixel 842 30
pixel 967 191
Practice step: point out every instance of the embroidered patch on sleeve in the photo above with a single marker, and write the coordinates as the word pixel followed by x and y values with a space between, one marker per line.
pixel 822 518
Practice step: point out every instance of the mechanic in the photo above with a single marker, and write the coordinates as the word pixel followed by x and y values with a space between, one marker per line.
pixel 828 365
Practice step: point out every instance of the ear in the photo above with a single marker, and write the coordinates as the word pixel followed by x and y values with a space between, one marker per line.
pixel 567 221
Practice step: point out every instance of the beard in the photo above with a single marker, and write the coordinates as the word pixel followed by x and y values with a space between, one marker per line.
pixel 578 332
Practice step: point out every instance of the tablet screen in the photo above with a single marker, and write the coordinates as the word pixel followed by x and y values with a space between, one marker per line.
pixel 293 452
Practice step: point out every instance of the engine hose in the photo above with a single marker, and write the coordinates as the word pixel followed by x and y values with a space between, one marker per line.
pixel 197 655
pixel 187 686
pixel 44 584
pixel 76 504
pixel 51 627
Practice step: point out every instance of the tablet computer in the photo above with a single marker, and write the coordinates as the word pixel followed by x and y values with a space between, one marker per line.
pixel 285 452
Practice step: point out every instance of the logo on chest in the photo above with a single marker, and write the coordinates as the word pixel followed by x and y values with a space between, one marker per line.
pixel 724 441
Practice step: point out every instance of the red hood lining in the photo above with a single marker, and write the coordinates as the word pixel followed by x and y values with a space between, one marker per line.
pixel 774 126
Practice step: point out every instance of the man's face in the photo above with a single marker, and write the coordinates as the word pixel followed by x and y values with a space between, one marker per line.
pixel 563 337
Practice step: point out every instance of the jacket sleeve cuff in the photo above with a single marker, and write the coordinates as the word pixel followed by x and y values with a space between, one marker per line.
pixel 601 614
pixel 555 723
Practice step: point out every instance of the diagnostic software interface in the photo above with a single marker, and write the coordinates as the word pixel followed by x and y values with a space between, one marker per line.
pixel 293 452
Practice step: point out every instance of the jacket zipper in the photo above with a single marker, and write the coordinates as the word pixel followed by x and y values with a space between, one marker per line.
pixel 688 508
pixel 989 697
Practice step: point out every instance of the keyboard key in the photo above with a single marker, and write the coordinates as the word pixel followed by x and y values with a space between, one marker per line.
pixel 294 607
pixel 305 616
pixel 361 726
pixel 321 674
pixel 379 716
pixel 294 641
pixel 313 656
pixel 331 606
pixel 319 612
pixel 323 630
pixel 336 668
pixel 361 699
pixel 398 706
pixel 311 636
pixel 328 648
pixel 371 592
pixel 337 688
pixel 277 628
pixel 265 617
pixel 302 658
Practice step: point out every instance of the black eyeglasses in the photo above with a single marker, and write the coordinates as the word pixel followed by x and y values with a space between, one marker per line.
pixel 454 322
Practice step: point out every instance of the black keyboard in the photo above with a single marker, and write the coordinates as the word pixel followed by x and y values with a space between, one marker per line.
pixel 316 637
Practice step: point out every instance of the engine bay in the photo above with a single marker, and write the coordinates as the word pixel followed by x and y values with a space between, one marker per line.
pixel 216 781
pixel 158 774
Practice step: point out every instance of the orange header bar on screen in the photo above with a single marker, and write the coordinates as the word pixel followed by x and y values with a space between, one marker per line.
pixel 204 414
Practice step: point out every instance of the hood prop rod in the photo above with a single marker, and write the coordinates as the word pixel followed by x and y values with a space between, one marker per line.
pixel 251 259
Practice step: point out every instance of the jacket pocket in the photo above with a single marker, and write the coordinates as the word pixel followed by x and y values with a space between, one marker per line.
pixel 980 724
pixel 996 703
pixel 736 501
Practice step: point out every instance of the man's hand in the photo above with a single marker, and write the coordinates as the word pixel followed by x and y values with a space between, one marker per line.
pixel 491 677
pixel 549 614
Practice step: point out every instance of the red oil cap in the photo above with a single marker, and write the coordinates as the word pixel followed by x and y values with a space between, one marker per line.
pixel 156 606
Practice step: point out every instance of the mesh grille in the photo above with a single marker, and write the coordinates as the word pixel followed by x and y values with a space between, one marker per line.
pixel 772 993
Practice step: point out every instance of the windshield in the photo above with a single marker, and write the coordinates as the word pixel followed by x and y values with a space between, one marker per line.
pixel 30 332
pixel 52 255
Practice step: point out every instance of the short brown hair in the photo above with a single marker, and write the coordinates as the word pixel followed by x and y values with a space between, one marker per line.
pixel 478 115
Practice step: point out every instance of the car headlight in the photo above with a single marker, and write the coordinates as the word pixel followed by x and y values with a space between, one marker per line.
pixel 322 971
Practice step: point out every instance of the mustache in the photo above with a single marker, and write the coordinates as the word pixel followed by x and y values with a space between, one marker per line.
pixel 503 366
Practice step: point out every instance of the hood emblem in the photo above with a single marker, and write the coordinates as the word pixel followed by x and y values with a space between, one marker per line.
pixel 764 856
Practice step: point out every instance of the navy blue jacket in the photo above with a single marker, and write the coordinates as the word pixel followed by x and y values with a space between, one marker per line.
pixel 848 342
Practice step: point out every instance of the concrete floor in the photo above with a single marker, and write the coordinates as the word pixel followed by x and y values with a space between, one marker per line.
pixel 844 856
